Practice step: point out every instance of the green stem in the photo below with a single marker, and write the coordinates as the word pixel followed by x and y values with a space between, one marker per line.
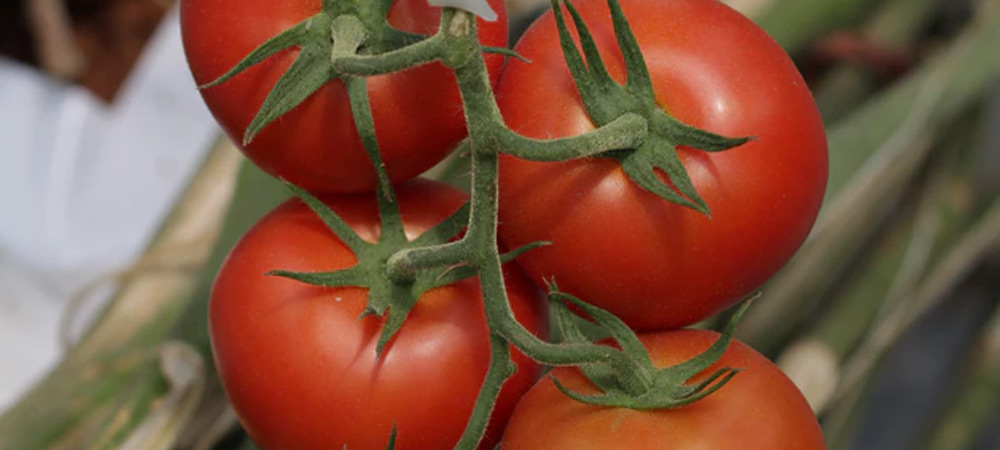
pixel 406 264
pixel 422 52
pixel 392 222
pixel 632 375
pixel 483 115
pixel 489 134
pixel 501 368
pixel 627 131
pixel 348 35
pixel 480 247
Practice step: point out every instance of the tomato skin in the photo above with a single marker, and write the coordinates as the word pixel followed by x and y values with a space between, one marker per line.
pixel 654 263
pixel 299 366
pixel 759 409
pixel 418 112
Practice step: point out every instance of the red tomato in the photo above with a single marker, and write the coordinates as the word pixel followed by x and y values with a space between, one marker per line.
pixel 300 367
pixel 654 263
pixel 759 409
pixel 418 112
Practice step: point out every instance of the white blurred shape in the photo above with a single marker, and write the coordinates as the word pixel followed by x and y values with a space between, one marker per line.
pixel 83 188
pixel 480 8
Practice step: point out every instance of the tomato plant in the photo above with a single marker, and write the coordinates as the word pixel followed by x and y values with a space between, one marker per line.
pixel 655 263
pixel 759 409
pixel 417 112
pixel 299 365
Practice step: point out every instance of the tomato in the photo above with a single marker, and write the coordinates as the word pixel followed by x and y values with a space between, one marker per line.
pixel 654 263
pixel 759 409
pixel 418 112
pixel 299 366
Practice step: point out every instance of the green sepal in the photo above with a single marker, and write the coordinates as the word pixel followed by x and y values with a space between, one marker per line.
pixel 639 83
pixel 392 433
pixel 293 37
pixel 605 100
pixel 604 377
pixel 337 225
pixel 403 300
pixel 391 445
pixel 670 387
pixel 616 328
pixel 513 254
pixel 701 362
pixel 662 396
pixel 510 53
pixel 357 93
pixel 590 81
pixel 594 63
pixel 447 229
pixel 313 67
pixel 387 299
pixel 339 278
pixel 309 72
pixel 696 138
pixel 643 168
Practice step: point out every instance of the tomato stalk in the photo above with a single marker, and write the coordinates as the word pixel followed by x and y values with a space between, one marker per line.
pixel 643 386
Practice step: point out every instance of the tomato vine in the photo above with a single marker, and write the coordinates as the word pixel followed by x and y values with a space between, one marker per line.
pixel 350 41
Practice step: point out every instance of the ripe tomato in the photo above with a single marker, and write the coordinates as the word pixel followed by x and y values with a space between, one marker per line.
pixel 654 263
pixel 759 409
pixel 299 366
pixel 418 112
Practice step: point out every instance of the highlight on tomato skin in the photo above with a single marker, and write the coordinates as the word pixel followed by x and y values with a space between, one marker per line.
pixel 654 263
pixel 417 112
pixel 301 369
pixel 759 409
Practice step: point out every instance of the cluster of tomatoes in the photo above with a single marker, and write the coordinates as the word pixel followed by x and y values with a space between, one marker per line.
pixel 299 365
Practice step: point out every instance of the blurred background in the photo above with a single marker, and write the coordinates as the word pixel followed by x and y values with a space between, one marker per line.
pixel 117 204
